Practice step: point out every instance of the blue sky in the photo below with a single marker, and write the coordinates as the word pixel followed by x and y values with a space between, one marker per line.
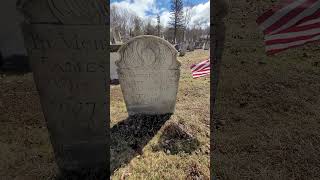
pixel 149 8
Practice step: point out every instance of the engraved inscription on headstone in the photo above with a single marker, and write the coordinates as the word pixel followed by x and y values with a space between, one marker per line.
pixel 149 75
pixel 67 44
pixel 70 66
pixel 75 12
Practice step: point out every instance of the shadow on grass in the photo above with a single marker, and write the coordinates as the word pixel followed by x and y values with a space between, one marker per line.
pixel 129 137
pixel 114 82
pixel 15 65
pixel 83 174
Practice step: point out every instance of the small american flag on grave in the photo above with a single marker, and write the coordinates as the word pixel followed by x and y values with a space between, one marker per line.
pixel 201 69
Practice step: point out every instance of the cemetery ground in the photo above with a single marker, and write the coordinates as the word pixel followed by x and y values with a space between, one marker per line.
pixel 175 147
pixel 269 106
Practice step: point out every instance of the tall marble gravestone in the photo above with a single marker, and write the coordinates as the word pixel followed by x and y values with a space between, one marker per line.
pixel 149 75
pixel 68 50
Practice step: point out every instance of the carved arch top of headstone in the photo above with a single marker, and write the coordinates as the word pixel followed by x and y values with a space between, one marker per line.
pixel 67 12
pixel 148 52
pixel 149 75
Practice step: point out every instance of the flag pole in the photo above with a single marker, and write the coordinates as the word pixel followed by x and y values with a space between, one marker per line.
pixel 220 10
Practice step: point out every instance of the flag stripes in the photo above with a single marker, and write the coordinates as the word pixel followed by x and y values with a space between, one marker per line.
pixel 200 69
pixel 291 24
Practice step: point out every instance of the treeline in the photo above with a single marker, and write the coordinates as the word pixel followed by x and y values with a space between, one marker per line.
pixel 179 28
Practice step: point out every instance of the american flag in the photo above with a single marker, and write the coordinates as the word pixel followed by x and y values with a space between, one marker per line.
pixel 291 24
pixel 201 69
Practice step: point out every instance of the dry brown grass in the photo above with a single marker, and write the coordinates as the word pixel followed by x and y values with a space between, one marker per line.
pixel 270 105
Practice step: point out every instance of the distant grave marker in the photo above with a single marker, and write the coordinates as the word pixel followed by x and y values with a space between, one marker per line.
pixel 115 44
pixel 183 49
pixel 114 56
pixel 115 36
pixel 191 46
pixel 68 50
pixel 149 75
pixel 198 45
pixel 206 45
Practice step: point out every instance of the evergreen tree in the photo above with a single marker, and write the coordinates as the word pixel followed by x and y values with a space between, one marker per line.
pixel 177 17
pixel 158 26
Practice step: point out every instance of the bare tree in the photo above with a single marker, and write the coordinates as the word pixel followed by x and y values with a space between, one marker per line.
pixel 187 16
pixel 149 29
pixel 123 20
pixel 137 27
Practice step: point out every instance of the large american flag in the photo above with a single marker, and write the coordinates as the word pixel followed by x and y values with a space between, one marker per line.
pixel 291 24
pixel 201 69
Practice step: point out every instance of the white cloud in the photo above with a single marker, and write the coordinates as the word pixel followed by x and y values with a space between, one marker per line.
pixel 137 6
pixel 199 13
pixel 165 18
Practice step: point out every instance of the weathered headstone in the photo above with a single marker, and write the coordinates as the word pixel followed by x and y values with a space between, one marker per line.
pixel 177 47
pixel 114 56
pixel 202 45
pixel 198 45
pixel 206 45
pixel 115 36
pixel 149 75
pixel 183 49
pixel 68 50
pixel 191 46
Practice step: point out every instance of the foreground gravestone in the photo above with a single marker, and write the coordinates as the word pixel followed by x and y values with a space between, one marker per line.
pixel 149 75
pixel 69 59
